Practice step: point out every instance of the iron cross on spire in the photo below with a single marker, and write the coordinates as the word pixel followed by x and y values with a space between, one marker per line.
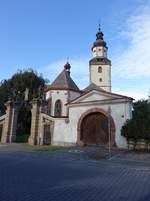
pixel 99 25
pixel 99 34
pixel 67 59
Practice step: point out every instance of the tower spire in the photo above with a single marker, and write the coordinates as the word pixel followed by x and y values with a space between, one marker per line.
pixel 99 42
pixel 99 34
pixel 99 27
pixel 100 65
pixel 67 59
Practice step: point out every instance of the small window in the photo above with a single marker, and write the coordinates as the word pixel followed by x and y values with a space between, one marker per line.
pixel 100 79
pixel 58 108
pixel 100 69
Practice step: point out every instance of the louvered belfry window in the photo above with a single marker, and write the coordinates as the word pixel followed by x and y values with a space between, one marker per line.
pixel 100 69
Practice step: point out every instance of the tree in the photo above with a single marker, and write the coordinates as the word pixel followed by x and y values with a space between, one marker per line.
pixel 139 126
pixel 15 86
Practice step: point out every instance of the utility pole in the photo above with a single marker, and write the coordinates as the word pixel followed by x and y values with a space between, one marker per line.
pixel 109 131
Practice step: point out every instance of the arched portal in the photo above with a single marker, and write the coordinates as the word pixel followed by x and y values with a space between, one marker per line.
pixel 93 128
pixel 23 123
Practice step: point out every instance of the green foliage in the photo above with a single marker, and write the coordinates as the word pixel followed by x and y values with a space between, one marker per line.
pixel 17 85
pixel 22 138
pixel 44 148
pixel 24 120
pixel 4 94
pixel 139 126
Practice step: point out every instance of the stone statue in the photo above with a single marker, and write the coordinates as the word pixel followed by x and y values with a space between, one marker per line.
pixel 41 92
pixel 26 98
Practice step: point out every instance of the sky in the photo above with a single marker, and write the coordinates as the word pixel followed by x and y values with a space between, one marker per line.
pixel 42 34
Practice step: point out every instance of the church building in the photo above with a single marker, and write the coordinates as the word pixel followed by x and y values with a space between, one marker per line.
pixel 92 116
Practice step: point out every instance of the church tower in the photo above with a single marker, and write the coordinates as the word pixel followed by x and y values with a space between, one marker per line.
pixel 100 65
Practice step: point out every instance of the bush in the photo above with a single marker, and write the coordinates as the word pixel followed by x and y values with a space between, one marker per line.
pixel 139 126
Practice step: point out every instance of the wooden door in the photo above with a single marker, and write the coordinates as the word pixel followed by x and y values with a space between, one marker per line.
pixel 47 135
pixel 94 129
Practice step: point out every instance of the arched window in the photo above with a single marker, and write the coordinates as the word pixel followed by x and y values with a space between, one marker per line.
pixel 100 69
pixel 58 108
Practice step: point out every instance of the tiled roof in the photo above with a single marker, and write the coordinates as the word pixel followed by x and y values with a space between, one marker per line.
pixel 98 59
pixel 93 86
pixel 64 81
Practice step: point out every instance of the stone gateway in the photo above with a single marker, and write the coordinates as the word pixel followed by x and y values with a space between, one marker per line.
pixel 70 116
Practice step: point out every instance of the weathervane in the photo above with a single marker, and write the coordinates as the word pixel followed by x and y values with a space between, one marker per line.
pixel 67 59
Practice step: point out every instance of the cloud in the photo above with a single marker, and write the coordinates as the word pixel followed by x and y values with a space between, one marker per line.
pixel 79 70
pixel 132 64
pixel 134 61
pixel 132 92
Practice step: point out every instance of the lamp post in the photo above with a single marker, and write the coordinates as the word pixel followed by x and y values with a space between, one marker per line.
pixel 109 131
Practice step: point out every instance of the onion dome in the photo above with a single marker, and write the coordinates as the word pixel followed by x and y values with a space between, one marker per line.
pixel 99 39
pixel 67 66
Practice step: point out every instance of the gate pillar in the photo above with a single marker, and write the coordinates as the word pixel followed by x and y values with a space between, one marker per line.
pixel 7 124
pixel 10 124
pixel 15 111
pixel 36 110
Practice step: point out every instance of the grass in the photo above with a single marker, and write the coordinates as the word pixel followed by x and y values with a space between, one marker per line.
pixel 22 138
pixel 43 148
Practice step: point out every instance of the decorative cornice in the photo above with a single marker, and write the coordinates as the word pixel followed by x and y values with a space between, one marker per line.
pixel 100 102
pixel 54 117
pixel 103 92
pixel 99 61
pixel 62 88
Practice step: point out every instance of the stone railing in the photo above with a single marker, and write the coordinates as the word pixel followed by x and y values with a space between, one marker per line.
pixel 45 107
pixel 139 144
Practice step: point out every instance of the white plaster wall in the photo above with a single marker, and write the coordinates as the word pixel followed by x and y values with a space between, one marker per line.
pixel 60 130
pixel 48 94
pixel 95 96
pixel 67 133
pixel 64 132
pixel 99 51
pixel 55 95
pixel 105 75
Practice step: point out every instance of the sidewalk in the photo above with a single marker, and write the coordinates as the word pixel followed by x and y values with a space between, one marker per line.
pixel 89 153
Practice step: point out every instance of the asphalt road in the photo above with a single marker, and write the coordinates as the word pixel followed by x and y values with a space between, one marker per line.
pixel 61 176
